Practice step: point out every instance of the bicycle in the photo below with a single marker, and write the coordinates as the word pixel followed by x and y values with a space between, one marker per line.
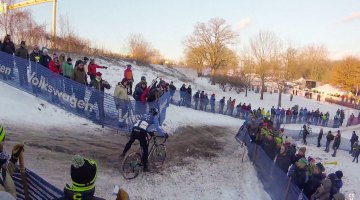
pixel 301 133
pixel 132 165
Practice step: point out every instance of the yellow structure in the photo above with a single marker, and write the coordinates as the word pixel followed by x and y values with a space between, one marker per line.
pixel 4 8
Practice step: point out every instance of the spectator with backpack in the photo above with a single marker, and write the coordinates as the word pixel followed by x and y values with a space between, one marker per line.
pixel 329 139
pixel 337 142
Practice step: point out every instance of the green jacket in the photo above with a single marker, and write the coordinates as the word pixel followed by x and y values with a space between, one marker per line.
pixel 22 52
pixel 67 69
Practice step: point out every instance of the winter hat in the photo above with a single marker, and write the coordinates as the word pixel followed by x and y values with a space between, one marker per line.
pixel 128 66
pixel 339 196
pixel 98 74
pixel 320 166
pixel 68 60
pixel 311 159
pixel 339 174
pixel 4 157
pixel 6 196
pixel 45 51
pixel 2 133
pixel 78 62
pixel 86 58
pixel 83 172
pixel 143 78
pixel 302 149
pixel 22 43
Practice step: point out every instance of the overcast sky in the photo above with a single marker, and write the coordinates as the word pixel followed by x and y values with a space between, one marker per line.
pixel 166 23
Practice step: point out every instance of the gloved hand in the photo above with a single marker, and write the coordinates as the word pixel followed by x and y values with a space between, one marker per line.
pixel 166 136
pixel 105 67
pixel 16 151
pixel 151 134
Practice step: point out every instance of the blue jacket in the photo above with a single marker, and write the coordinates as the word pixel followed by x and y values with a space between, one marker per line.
pixel 154 125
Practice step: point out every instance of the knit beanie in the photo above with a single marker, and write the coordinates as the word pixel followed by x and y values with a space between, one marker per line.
pixel 339 174
pixel 83 171
pixel 320 166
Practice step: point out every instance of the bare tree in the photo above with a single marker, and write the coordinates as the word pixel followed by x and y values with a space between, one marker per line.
pixel 213 40
pixel 140 49
pixel 314 59
pixel 248 72
pixel 266 49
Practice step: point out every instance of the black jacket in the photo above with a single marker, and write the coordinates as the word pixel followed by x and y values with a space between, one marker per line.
pixel 283 161
pixel 8 48
pixel 313 183
pixel 44 60
pixel 100 85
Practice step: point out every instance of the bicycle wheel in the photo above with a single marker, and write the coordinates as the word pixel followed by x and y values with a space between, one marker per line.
pixel 131 165
pixel 159 155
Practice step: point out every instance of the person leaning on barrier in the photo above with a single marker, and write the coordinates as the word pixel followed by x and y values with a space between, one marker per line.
pixel 7 169
pixel 35 54
pixel 22 52
pixel 121 98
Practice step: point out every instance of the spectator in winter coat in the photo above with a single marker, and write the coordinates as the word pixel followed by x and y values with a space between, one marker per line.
pixel 55 67
pixel 35 55
pixel 202 100
pixel 212 103
pixel 122 99
pixel 283 159
pixel 320 137
pixel 86 64
pixel 138 91
pixel 92 69
pixel 222 104
pixel 183 92
pixel 45 58
pixel 188 96
pixel 79 76
pixel 337 142
pixel 128 75
pixel 7 168
pixel 299 155
pixel 206 102
pixel 298 172
pixel 232 106
pixel 172 89
pixel 22 52
pixel 196 99
pixel 228 105
pixel 306 132
pixel 8 46
pixel 356 151
pixel 269 145
pixel 67 69
pixel 238 110
pixel 323 191
pixel 353 139
pixel 329 138
pixel 98 96
pixel 314 180
pixel 142 81
pixel 83 174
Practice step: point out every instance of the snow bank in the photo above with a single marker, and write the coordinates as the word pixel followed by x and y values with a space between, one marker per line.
pixel 180 116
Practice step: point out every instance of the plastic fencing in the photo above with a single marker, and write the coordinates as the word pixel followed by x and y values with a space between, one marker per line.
pixel 344 103
pixel 184 99
pixel 275 181
pixel 38 188
pixel 79 99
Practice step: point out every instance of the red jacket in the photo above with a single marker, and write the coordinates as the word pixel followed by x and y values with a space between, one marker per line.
pixel 145 94
pixel 92 68
pixel 128 75
pixel 55 69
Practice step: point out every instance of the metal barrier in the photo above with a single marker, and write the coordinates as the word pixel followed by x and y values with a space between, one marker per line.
pixel 275 181
pixel 184 99
pixel 86 102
